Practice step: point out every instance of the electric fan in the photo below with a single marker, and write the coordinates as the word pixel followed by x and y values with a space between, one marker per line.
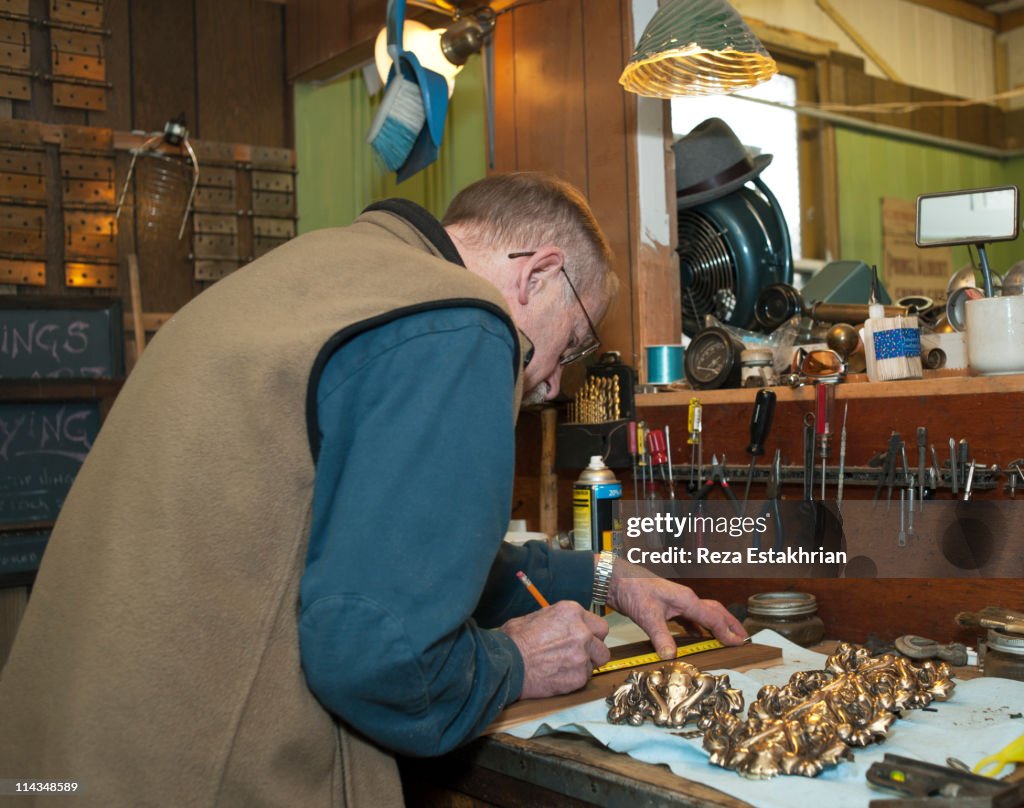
pixel 730 248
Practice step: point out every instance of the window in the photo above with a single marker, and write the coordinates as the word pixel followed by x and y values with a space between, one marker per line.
pixel 762 129
pixel 800 175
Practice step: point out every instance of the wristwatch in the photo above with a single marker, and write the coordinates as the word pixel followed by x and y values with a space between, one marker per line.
pixel 602 579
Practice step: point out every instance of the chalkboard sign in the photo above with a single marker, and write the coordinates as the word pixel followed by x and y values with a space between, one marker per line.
pixel 68 338
pixel 20 555
pixel 42 447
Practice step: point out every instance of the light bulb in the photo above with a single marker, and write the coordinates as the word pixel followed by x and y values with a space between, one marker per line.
pixel 425 43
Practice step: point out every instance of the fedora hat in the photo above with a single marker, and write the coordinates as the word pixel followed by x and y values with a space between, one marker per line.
pixel 711 162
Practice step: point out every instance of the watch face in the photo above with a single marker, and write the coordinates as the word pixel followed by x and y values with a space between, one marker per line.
pixel 710 359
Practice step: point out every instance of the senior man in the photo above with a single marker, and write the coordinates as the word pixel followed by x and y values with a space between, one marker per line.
pixel 283 561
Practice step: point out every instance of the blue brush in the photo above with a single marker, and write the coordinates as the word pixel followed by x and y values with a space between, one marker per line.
pixel 398 122
pixel 401 115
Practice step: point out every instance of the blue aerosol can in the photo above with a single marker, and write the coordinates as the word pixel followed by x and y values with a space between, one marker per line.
pixel 597 524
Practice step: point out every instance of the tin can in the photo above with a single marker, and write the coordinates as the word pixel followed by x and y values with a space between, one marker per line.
pixel 597 524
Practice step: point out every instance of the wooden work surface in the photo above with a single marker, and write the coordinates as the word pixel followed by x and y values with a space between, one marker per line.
pixel 563 769
pixel 600 686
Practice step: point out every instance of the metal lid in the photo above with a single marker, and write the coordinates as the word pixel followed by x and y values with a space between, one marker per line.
pixel 597 473
pixel 782 604
pixel 1005 642
pixel 753 356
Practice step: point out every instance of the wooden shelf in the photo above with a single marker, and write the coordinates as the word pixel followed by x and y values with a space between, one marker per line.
pixel 935 383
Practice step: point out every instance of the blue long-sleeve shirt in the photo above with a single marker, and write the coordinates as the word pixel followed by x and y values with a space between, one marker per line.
pixel 406 572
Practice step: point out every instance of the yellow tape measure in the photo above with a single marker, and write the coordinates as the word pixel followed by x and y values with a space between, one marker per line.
pixel 644 659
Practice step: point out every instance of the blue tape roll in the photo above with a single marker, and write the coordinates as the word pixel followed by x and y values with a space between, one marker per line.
pixel 665 364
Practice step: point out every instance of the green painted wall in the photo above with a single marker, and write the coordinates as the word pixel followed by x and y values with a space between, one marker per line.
pixel 339 174
pixel 872 167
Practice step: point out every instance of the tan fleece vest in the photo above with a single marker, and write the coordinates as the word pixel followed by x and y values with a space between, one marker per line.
pixel 158 661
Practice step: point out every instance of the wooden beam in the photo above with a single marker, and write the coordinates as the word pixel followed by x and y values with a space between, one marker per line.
pixel 856 36
pixel 1011 20
pixel 964 11
pixel 774 35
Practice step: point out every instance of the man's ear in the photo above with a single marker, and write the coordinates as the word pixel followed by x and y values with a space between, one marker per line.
pixel 541 267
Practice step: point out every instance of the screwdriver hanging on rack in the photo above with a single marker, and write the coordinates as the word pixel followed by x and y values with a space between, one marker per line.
pixel 668 455
pixel 659 457
pixel 922 445
pixel 641 454
pixel 694 423
pixel 825 398
pixel 760 425
pixel 631 430
pixel 842 459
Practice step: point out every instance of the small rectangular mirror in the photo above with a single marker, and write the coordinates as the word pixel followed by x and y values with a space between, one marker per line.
pixel 967 217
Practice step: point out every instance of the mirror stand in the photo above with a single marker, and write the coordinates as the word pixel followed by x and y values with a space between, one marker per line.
pixel 986 271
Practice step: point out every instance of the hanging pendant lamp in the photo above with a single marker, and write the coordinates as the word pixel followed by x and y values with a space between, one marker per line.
pixel 696 47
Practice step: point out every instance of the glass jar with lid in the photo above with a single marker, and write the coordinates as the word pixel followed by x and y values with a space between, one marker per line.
pixel 1004 655
pixel 794 615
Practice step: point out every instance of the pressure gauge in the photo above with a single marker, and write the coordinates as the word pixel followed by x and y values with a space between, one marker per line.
pixel 712 359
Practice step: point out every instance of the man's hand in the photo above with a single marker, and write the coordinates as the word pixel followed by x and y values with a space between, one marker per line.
pixel 560 645
pixel 649 601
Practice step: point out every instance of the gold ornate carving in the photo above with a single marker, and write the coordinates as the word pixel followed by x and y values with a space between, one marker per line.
pixel 672 696
pixel 802 728
pixel 812 722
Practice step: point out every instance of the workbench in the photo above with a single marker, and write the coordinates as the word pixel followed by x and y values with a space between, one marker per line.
pixel 575 770
pixel 562 770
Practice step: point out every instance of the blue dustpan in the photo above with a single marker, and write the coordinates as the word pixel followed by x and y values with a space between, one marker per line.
pixel 433 90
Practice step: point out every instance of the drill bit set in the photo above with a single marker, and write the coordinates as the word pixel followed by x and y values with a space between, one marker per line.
pixel 596 402
pixel 595 420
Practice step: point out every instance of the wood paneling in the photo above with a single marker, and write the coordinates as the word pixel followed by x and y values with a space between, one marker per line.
pixel 559 108
pixel 329 37
pixel 983 124
pixel 164 65
pixel 551 112
pixel 908 35
pixel 610 185
pixel 221 62
pixel 118 114
pixel 240 72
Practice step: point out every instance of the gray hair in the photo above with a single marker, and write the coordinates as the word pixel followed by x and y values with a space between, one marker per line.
pixel 522 210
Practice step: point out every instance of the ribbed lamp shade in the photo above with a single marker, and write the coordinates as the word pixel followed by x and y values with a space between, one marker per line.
pixel 696 47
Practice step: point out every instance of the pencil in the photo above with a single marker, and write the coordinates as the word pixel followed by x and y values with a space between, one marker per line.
pixel 533 590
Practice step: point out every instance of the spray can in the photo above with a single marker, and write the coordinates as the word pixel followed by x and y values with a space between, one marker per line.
pixel 597 524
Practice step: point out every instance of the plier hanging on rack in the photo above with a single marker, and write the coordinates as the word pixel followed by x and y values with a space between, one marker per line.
pixel 717 479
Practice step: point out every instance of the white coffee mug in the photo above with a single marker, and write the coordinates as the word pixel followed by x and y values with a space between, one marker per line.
pixel 995 334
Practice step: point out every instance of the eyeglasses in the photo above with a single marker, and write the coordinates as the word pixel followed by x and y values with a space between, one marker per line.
pixel 577 352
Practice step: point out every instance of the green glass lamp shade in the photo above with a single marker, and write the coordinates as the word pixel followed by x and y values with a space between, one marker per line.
pixel 696 47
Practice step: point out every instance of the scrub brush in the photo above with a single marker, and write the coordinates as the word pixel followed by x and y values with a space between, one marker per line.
pixel 401 115
pixel 398 121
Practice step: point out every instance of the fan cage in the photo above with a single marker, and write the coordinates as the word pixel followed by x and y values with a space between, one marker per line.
pixel 706 265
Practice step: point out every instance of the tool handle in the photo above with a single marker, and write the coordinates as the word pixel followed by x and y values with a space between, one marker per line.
pixel 761 421
pixel 655 440
pixel 824 396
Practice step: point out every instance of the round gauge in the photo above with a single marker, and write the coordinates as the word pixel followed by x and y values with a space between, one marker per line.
pixel 712 360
